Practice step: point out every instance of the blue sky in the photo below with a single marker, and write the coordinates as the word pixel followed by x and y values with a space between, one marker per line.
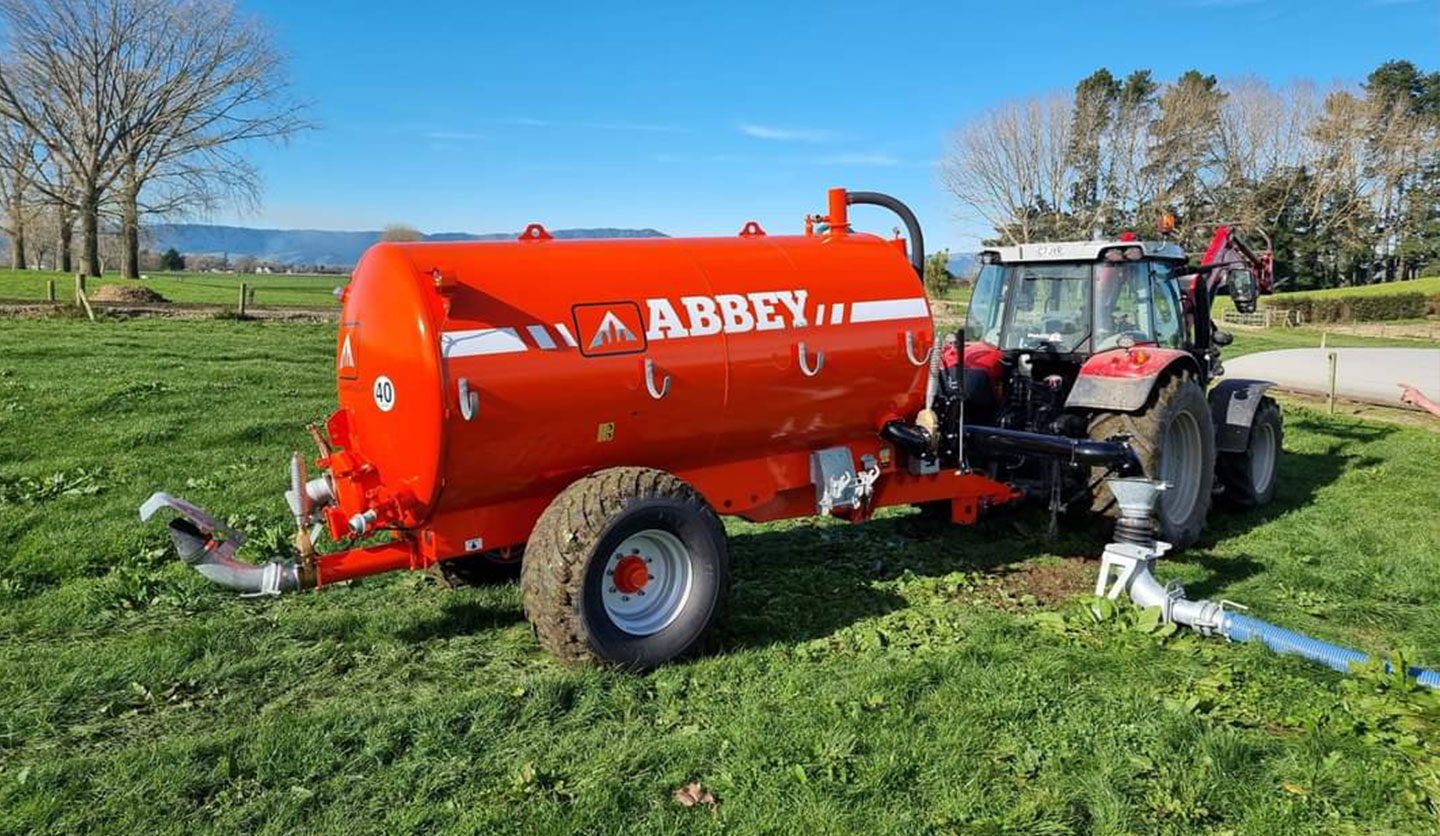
pixel 694 118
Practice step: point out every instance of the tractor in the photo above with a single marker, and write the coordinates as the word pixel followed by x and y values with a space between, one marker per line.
pixel 1113 340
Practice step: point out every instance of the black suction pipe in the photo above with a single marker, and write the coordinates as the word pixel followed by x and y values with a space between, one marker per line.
pixel 912 226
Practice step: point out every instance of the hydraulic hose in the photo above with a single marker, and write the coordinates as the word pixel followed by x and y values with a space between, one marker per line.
pixel 912 226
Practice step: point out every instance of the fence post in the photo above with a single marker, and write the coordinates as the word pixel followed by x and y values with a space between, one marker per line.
pixel 80 298
pixel 50 291
pixel 1330 401
pixel 244 290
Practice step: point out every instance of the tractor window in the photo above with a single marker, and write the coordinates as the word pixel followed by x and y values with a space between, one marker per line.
pixel 1169 319
pixel 1123 303
pixel 1048 306
pixel 982 317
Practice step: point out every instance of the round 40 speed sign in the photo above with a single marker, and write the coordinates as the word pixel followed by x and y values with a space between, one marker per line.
pixel 384 392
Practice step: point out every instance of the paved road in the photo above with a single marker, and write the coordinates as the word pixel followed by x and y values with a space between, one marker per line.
pixel 1362 374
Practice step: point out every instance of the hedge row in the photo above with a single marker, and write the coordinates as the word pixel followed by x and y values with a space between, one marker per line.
pixel 1358 308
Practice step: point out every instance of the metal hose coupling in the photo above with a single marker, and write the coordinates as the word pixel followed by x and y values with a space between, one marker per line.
pixel 1128 563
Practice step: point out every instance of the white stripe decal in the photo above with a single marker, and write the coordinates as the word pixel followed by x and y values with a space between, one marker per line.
pixel 481 341
pixel 887 309
pixel 837 313
pixel 820 314
pixel 565 334
pixel 540 336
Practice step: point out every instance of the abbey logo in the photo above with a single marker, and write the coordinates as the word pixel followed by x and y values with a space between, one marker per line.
pixel 605 328
pixel 609 328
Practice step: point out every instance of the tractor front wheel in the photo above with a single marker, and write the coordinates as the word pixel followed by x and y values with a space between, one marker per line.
pixel 1174 438
pixel 1249 476
pixel 626 567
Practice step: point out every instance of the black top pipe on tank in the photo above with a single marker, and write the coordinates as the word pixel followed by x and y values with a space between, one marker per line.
pixel 912 226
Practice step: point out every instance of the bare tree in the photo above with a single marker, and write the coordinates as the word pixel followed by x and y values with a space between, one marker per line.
pixel 401 232
pixel 1010 166
pixel 201 81
pixel 59 79
pixel 17 176
pixel 155 97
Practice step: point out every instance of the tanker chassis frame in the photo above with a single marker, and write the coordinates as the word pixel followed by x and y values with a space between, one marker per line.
pixel 627 565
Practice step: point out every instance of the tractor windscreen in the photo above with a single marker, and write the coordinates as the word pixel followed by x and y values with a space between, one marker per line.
pixel 1044 306
pixel 1073 306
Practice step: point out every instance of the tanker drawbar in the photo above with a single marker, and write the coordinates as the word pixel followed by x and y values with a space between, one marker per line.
pixel 585 410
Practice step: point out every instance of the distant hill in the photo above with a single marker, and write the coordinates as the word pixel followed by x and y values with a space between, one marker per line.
pixel 320 246
pixel 964 265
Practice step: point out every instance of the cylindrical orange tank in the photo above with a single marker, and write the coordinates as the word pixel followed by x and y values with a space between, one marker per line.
pixel 477 380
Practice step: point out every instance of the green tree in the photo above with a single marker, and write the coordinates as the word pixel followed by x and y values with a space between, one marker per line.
pixel 171 259
pixel 1095 98
pixel 937 273
pixel 1183 152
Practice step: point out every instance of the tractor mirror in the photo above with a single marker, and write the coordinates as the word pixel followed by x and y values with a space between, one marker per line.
pixel 1243 290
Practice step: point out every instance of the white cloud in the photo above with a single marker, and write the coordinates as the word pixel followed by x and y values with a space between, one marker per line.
pixel 787 134
pixel 643 127
pixel 874 158
pixel 453 136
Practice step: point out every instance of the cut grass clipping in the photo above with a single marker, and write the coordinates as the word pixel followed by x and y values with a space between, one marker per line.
pixel 890 678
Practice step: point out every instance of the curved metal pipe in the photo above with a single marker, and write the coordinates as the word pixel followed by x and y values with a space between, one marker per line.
pixel 912 226
pixel 217 564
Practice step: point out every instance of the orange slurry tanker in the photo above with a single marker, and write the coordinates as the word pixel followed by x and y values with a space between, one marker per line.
pixel 586 408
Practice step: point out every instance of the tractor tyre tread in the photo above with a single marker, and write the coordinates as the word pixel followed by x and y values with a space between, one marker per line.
pixel 567 534
pixel 1233 469
pixel 1145 429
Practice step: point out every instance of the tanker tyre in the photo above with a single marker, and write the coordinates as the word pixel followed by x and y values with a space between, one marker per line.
pixel 1174 438
pixel 573 577
pixel 1249 476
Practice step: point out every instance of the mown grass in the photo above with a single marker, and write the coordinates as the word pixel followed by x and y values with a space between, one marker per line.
pixel 1426 285
pixel 185 288
pixel 886 678
pixel 1250 340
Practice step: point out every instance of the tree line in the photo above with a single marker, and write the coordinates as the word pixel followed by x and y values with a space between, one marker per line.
pixel 116 111
pixel 1344 184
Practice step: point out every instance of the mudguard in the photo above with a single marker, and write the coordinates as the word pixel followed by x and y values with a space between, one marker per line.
pixel 1121 380
pixel 1233 403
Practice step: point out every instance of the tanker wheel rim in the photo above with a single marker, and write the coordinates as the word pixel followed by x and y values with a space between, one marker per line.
pixel 1180 466
pixel 1262 458
pixel 647 583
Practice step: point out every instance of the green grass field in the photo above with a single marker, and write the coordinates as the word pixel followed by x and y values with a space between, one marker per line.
pixel 185 288
pixel 888 678
pixel 1426 285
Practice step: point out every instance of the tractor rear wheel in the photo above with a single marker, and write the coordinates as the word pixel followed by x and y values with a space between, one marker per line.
pixel 626 567
pixel 1174 438
pixel 1249 476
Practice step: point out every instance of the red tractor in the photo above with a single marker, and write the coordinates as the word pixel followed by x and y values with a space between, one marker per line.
pixel 1106 341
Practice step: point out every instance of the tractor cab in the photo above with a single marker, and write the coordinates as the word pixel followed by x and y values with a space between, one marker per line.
pixel 1072 300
